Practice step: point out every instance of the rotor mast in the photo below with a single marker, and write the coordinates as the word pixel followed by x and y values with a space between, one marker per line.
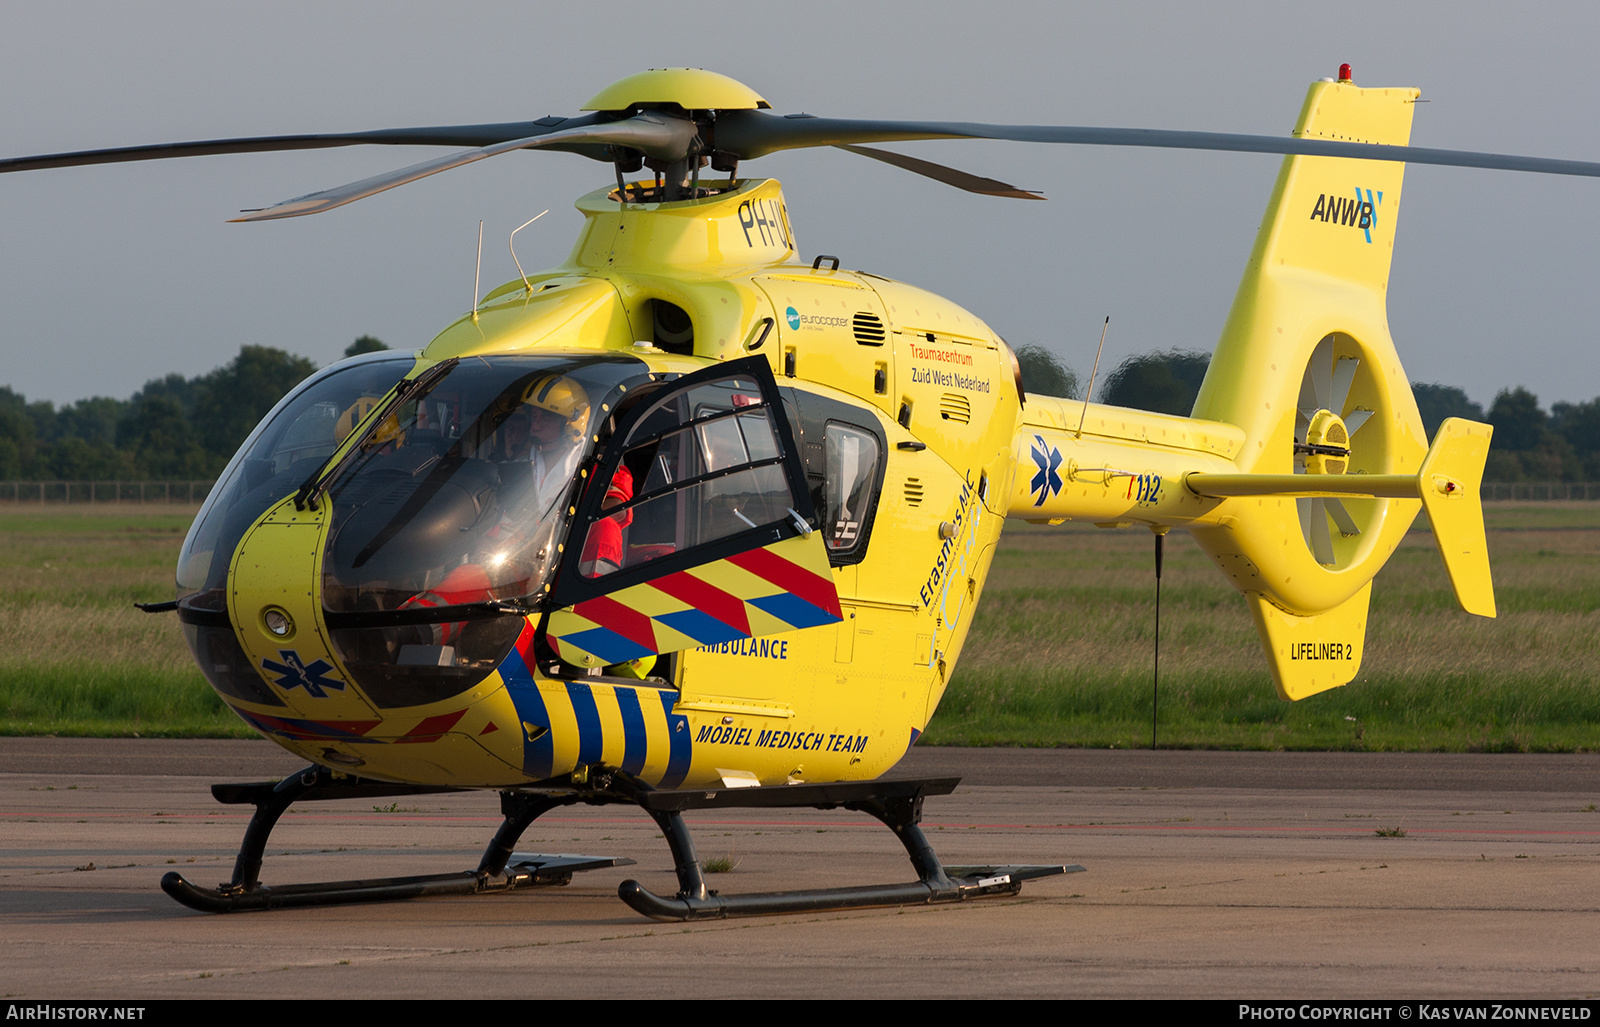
pixel 679 95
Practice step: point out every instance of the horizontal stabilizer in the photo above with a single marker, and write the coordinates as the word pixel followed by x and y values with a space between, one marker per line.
pixel 1382 486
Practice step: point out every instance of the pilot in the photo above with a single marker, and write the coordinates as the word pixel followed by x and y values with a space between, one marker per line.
pixel 554 415
pixel 539 445
pixel 353 415
pixel 466 584
pixel 513 444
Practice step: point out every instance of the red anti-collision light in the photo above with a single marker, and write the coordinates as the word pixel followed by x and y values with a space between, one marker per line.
pixel 1344 73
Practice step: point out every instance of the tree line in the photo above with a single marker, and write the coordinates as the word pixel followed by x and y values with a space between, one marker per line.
pixel 1530 443
pixel 178 428
pixel 174 428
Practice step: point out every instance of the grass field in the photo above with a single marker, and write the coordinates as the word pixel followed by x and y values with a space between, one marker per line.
pixel 78 658
pixel 1059 653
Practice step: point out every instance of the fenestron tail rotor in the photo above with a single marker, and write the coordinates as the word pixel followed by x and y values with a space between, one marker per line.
pixel 677 120
pixel 1324 441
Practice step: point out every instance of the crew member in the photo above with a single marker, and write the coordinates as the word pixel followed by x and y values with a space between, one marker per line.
pixel 602 550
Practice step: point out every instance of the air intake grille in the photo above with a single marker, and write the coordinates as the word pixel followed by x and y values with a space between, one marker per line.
pixel 868 328
pixel 913 491
pixel 954 407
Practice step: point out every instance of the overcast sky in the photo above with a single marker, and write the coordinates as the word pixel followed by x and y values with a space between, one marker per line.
pixel 116 274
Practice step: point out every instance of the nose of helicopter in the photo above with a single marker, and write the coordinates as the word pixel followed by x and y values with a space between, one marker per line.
pixel 274 597
pixel 323 712
pixel 376 606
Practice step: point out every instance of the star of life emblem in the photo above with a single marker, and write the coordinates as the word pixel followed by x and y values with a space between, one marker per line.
pixel 1047 458
pixel 294 672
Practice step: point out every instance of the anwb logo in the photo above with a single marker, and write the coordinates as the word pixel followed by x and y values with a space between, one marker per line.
pixel 1360 212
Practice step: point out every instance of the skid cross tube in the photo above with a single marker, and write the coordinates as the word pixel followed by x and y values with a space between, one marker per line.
pixel 897 804
pixel 271 799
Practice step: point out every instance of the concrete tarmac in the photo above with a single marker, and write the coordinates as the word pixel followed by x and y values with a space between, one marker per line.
pixel 1216 875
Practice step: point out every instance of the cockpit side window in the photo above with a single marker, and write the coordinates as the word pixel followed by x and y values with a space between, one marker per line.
pixel 703 466
pixel 844 449
pixel 703 469
pixel 854 458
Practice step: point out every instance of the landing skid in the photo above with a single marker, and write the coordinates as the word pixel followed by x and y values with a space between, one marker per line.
pixel 501 869
pixel 897 804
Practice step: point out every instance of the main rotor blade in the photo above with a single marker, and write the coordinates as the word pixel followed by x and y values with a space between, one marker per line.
pixel 748 134
pixel 949 176
pixel 441 135
pixel 666 138
pixel 751 134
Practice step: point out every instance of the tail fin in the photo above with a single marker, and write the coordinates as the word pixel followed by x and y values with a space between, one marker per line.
pixel 1320 266
pixel 1305 461
pixel 1306 366
pixel 1312 654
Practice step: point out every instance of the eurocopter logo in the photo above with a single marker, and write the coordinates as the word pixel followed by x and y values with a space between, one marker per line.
pixel 1047 458
pixel 1361 212
pixel 295 673
pixel 796 319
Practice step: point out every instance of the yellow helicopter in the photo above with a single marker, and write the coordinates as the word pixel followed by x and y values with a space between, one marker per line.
pixel 687 522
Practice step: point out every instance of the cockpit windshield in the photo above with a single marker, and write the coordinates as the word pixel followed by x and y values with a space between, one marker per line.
pixel 296 438
pixel 456 496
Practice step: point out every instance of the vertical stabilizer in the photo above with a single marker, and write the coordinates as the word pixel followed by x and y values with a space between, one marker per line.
pixel 1307 368
pixel 1320 265
pixel 1452 479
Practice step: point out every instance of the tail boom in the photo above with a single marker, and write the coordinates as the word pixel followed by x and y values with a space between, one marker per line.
pixel 1088 462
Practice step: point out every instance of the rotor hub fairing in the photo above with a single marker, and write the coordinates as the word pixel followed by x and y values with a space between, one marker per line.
pixel 686 88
